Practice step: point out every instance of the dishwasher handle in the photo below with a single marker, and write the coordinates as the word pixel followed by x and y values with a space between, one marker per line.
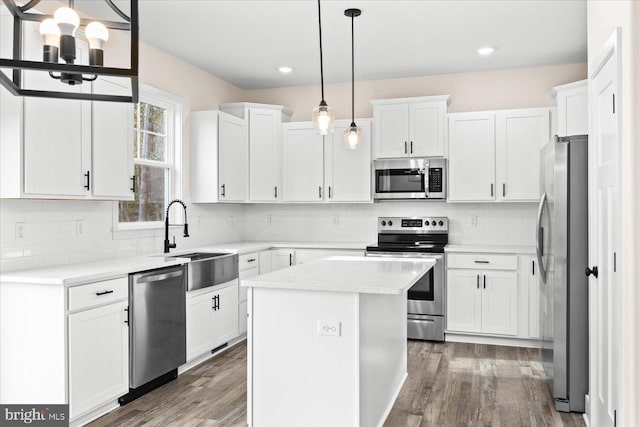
pixel 158 277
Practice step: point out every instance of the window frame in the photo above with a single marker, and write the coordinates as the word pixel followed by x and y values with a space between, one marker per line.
pixel 175 107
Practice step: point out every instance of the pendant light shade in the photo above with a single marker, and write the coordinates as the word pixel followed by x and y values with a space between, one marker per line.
pixel 322 116
pixel 353 134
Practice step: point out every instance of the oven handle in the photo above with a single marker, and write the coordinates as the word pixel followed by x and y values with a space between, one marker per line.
pixel 425 176
pixel 420 320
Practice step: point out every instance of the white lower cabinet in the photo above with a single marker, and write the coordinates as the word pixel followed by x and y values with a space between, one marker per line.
pixel 212 318
pixel 282 258
pixel 482 300
pixel 98 357
pixel 530 285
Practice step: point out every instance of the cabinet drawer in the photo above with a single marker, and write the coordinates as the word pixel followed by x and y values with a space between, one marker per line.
pixel 98 293
pixel 483 261
pixel 247 261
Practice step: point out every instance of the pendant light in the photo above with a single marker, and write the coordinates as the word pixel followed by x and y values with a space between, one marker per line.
pixel 353 134
pixel 322 116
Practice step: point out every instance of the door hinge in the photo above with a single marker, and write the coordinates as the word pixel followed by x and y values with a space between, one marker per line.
pixel 615 266
pixel 614 103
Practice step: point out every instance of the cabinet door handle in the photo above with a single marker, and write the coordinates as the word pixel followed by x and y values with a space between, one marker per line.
pixel 330 192
pixel 481 262
pixel 320 191
pixel 103 293
pixel 411 147
pixel 504 189
pixel 492 190
pixel 133 184
pixel 88 176
pixel 484 281
pixel 275 191
pixel 405 147
pixel 251 260
pixel 224 190
pixel 533 268
pixel 290 259
pixel 218 301
pixel 127 320
pixel 477 281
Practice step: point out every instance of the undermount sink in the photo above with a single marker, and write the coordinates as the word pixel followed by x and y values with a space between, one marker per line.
pixel 208 269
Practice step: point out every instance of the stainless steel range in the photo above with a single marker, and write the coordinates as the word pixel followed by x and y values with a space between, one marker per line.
pixel 421 237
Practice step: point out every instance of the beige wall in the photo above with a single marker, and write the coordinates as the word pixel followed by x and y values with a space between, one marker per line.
pixel 488 90
pixel 603 18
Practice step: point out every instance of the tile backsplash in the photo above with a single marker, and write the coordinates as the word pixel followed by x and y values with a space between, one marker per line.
pixel 39 233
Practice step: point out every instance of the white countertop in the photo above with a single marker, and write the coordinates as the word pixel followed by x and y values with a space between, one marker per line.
pixel 494 249
pixel 347 274
pixel 76 274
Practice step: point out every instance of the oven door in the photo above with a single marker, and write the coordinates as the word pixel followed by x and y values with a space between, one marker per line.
pixel 426 296
pixel 401 179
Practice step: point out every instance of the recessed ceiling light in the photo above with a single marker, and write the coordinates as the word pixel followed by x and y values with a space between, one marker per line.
pixel 487 50
pixel 285 69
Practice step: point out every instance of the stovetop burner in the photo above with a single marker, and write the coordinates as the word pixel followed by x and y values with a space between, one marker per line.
pixel 411 235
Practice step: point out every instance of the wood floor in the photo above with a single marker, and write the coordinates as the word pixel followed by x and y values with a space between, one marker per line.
pixel 449 385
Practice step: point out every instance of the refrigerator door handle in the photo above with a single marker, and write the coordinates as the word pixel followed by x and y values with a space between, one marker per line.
pixel 540 238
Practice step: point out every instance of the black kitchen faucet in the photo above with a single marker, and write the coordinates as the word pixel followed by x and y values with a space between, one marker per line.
pixel 168 245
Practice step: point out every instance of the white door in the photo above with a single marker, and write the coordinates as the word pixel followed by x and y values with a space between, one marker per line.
pixel 464 308
pixel 426 129
pixel 232 159
pixel 520 134
pixel 604 239
pixel 499 302
pixel 348 172
pixel 282 258
pixel 199 312
pixel 264 154
pixel 391 130
pixel 225 315
pixel 111 144
pixel 57 132
pixel 302 163
pixel 98 357
pixel 471 156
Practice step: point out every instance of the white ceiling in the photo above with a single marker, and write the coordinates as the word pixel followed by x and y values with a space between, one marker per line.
pixel 244 42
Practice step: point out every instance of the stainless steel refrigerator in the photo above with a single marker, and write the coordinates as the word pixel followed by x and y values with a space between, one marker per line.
pixel 562 250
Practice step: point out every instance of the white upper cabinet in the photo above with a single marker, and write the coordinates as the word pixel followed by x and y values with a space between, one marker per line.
pixel 494 155
pixel 572 100
pixel 302 163
pixel 347 174
pixel 218 157
pixel 410 127
pixel 232 159
pixel 264 155
pixel 520 134
pixel 112 145
pixel 471 156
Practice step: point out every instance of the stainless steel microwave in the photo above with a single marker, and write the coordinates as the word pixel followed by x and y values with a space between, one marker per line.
pixel 417 178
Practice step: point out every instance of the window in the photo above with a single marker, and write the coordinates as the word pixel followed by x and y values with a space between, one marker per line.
pixel 156 155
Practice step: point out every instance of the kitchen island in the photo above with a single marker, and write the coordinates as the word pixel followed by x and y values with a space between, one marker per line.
pixel 327 341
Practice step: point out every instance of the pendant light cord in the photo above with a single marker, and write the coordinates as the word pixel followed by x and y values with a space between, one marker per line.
pixel 320 32
pixel 353 96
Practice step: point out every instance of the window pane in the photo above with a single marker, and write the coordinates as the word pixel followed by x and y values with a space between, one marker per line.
pixel 149 203
pixel 152 118
pixel 150 147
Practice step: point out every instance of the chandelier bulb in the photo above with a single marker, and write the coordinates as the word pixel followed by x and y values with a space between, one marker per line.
pixel 96 34
pixel 68 20
pixel 323 117
pixel 50 32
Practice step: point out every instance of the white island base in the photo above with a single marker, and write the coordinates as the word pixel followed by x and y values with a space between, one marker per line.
pixel 328 342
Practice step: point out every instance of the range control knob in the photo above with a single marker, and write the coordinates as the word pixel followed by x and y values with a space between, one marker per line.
pixel 441 223
pixel 433 223
pixel 390 223
pixel 426 223
pixel 383 223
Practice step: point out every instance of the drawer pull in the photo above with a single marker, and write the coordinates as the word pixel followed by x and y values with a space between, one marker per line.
pixel 103 293
pixel 251 260
pixel 481 262
pixel 477 281
pixel 127 311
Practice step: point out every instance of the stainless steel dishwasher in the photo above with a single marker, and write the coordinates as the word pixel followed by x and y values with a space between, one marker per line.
pixel 157 328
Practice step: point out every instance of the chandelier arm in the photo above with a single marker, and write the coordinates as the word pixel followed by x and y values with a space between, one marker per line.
pixel 54 76
pixel 29 5
pixel 117 10
pixel 90 79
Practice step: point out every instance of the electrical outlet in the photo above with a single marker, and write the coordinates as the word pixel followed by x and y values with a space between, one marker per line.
pixel 329 327
pixel 21 232
pixel 473 220
pixel 79 227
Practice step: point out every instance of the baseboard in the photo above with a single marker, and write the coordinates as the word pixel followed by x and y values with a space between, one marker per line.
pixel 198 360
pixel 491 340
pixel 389 407
pixel 94 414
